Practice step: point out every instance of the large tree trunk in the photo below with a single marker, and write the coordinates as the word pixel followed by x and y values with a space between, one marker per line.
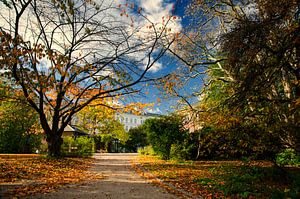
pixel 54 145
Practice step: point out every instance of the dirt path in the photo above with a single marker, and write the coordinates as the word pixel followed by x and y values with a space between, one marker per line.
pixel 121 182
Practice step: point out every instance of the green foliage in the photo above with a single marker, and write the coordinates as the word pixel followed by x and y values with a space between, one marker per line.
pixel 247 181
pixel 186 149
pixel 206 181
pixel 147 150
pixel 236 142
pixel 80 146
pixel 111 131
pixel 242 182
pixel 115 128
pixel 288 157
pixel 18 124
pixel 106 139
pixel 251 101
pixel 107 142
pixel 163 132
pixel 12 140
pixel 137 139
pixel 43 148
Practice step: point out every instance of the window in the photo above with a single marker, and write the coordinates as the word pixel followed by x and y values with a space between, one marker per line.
pixel 126 119
pixel 135 121
pixel 130 120
pixel 126 127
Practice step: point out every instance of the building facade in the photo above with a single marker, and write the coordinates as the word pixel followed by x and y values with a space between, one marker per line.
pixel 131 121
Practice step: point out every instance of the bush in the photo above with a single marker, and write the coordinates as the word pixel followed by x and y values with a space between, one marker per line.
pixel 236 142
pixel 137 139
pixel 43 149
pixel 183 152
pixel 163 132
pixel 288 157
pixel 80 146
pixel 186 149
pixel 13 140
pixel 18 127
pixel 148 150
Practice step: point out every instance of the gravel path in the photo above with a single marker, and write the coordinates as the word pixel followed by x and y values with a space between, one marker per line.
pixel 121 182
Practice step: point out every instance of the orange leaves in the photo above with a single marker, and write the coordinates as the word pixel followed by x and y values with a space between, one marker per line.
pixel 44 175
pixel 182 175
pixel 213 179
pixel 44 90
pixel 158 100
pixel 169 83
pixel 135 108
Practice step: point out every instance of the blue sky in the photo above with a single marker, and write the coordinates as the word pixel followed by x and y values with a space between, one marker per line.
pixel 168 63
pixel 154 9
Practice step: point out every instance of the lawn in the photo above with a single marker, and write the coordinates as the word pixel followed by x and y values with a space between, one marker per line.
pixel 28 176
pixel 225 179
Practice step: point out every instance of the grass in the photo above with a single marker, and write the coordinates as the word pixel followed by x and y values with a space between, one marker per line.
pixel 227 179
pixel 38 175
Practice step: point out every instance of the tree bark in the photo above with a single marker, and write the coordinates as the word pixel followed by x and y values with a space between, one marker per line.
pixel 54 144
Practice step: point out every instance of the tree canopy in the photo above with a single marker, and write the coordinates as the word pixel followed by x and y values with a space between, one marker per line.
pixel 65 54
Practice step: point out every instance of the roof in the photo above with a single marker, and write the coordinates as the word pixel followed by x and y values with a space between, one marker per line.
pixel 75 130
pixel 143 114
pixel 152 114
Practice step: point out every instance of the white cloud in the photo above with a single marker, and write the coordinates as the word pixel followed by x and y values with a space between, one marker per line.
pixel 154 110
pixel 156 12
pixel 159 13
pixel 151 5
pixel 154 68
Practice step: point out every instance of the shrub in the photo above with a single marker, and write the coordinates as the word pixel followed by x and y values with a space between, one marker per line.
pixel 182 151
pixel 137 139
pixel 163 132
pixel 80 146
pixel 288 157
pixel 13 140
pixel 236 142
pixel 185 149
pixel 147 150
pixel 18 127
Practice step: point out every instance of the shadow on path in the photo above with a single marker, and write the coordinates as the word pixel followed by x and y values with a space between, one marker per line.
pixel 121 182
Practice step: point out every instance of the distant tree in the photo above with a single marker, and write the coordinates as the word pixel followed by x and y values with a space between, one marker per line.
pixel 65 54
pixel 137 138
pixel 19 127
pixel 95 115
pixel 163 132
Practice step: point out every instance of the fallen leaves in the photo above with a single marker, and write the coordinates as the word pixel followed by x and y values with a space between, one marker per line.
pixel 212 179
pixel 40 175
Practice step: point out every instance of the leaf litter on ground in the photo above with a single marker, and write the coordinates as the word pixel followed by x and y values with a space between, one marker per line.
pixel 42 175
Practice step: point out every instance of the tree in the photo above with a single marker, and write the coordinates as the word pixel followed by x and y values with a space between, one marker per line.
pixel 95 115
pixel 245 55
pixel 137 138
pixel 163 132
pixel 19 129
pixel 263 57
pixel 65 54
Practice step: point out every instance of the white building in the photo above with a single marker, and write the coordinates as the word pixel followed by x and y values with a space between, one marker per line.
pixel 131 121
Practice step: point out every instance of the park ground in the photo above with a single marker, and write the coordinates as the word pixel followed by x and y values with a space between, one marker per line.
pixel 132 176
pixel 105 176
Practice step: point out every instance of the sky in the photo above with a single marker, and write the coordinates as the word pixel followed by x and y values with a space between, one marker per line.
pixel 163 104
pixel 155 10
